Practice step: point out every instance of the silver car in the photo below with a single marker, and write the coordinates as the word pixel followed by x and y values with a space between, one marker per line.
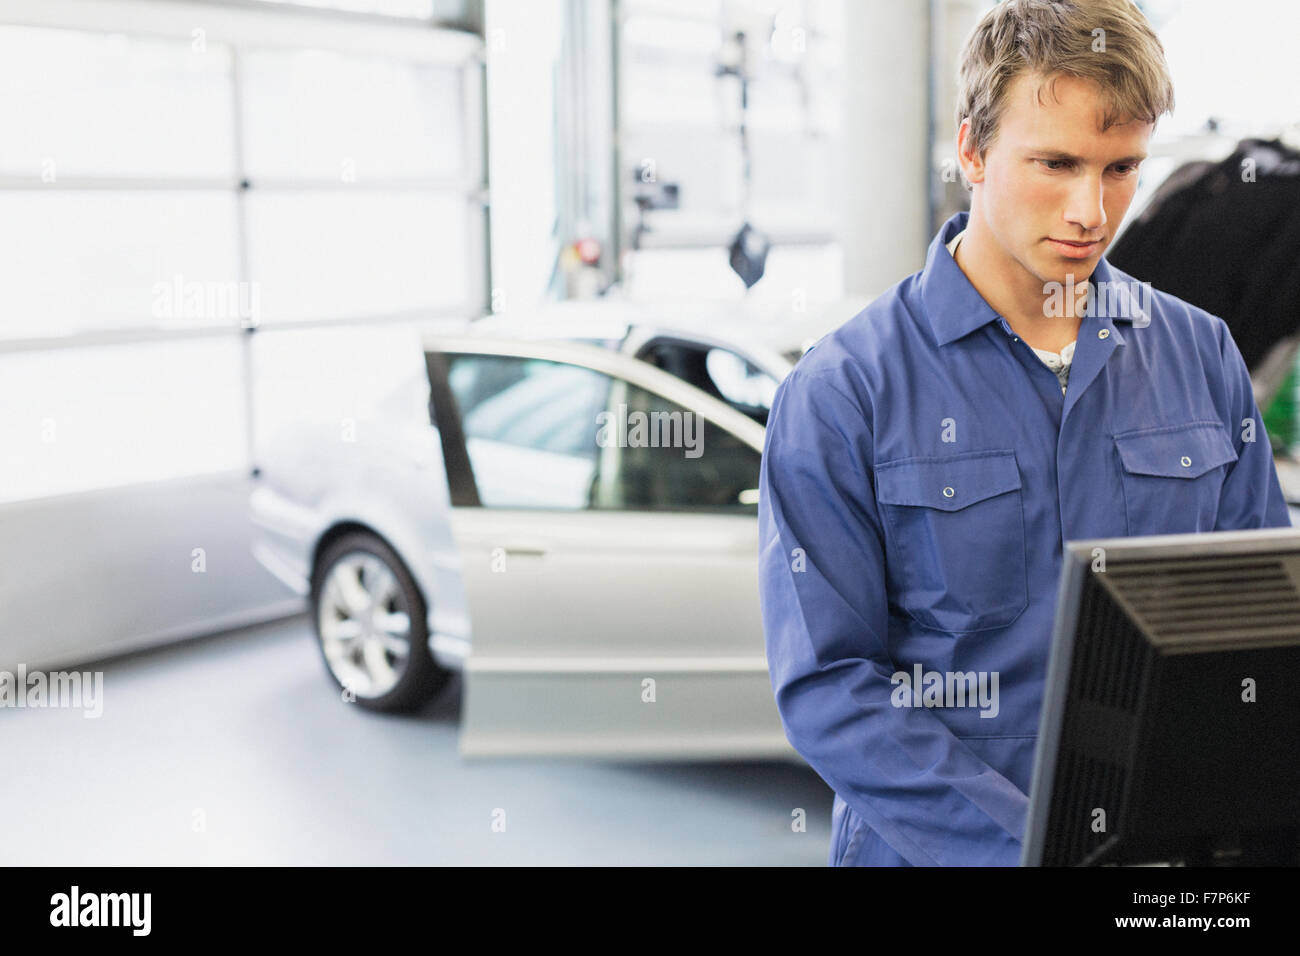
pixel 566 512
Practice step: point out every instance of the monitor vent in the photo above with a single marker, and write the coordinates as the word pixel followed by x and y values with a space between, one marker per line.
pixel 1098 733
pixel 1198 602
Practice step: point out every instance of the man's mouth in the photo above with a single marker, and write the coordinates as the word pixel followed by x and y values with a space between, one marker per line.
pixel 1074 248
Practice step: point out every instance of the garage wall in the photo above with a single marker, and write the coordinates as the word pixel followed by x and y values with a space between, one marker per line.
pixel 178 180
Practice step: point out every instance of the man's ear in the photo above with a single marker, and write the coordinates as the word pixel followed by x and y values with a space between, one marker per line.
pixel 972 164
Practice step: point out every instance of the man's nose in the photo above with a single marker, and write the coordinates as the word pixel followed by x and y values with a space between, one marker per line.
pixel 1086 208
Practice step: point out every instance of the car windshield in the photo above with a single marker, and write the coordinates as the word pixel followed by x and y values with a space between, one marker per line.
pixel 718 372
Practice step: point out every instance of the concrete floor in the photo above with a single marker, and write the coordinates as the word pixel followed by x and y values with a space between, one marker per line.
pixel 234 750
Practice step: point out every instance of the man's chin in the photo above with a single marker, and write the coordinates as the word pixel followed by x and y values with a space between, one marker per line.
pixel 1067 272
pixel 1061 283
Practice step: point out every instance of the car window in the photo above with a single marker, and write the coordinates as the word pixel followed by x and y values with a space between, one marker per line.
pixel 742 383
pixel 719 372
pixel 658 456
pixel 530 428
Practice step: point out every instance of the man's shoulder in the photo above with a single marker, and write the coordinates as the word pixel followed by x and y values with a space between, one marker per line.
pixel 850 356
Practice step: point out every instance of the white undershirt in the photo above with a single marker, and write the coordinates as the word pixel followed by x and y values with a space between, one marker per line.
pixel 1058 363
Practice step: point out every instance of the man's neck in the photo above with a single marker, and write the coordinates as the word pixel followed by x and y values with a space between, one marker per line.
pixel 1043 320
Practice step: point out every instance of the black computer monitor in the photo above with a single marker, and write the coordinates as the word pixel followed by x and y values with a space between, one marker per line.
pixel 1170 729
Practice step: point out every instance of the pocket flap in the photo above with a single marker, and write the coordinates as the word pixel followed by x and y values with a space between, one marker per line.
pixel 949 483
pixel 1175 451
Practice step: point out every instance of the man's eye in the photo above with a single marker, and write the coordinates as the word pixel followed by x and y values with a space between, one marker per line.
pixel 1060 163
pixel 1125 169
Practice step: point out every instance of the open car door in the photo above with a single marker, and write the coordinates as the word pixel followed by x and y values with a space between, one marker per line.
pixel 606 517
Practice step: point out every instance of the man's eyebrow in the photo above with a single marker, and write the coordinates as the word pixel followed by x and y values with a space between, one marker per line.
pixel 1056 154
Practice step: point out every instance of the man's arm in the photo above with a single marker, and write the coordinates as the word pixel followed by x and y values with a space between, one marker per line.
pixel 1251 496
pixel 825 617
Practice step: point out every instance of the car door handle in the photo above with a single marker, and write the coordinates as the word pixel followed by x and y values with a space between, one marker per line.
pixel 529 549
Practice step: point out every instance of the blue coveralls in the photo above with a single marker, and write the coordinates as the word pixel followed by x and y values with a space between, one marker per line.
pixel 921 472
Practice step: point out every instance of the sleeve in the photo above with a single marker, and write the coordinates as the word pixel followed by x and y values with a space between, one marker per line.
pixel 825 620
pixel 1251 496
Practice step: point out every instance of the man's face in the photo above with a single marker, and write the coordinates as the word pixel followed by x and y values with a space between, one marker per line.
pixel 1051 177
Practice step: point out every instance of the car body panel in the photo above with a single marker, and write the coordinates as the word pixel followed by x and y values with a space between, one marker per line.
pixel 616 634
pixel 389 480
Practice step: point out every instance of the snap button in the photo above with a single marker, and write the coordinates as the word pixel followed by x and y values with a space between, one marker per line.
pixel 948 492
pixel 1104 334
pixel 1186 462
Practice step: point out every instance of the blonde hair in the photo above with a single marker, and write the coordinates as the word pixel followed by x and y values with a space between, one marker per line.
pixel 1106 41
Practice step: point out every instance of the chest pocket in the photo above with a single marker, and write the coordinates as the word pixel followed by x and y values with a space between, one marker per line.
pixel 1172 476
pixel 957 529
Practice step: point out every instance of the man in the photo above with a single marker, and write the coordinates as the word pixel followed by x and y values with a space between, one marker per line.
pixel 926 461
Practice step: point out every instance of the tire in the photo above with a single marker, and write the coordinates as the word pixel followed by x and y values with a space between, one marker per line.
pixel 362 594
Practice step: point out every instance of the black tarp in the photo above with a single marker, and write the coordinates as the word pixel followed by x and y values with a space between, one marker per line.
pixel 1225 236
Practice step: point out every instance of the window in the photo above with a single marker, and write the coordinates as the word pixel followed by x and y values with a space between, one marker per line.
pixel 78 104
pixel 659 456
pixel 166 192
pixel 421 9
pixel 719 372
pixel 742 384
pixel 530 428
pixel 113 415
pixel 544 434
